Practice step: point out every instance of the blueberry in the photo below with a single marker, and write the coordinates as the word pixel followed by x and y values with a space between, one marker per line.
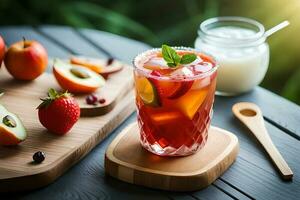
pixel 39 156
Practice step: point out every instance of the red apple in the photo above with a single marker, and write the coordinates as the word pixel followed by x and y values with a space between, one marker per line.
pixel 26 60
pixel 2 50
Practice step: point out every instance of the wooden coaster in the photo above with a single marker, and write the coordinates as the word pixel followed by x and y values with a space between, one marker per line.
pixel 126 159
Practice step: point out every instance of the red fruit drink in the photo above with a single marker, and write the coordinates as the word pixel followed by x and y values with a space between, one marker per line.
pixel 174 105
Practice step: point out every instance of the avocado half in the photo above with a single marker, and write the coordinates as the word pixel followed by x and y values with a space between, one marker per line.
pixel 12 130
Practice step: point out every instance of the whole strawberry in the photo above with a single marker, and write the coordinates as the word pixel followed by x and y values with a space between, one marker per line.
pixel 58 112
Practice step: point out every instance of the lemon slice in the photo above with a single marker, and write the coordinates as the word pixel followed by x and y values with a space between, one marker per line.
pixel 147 91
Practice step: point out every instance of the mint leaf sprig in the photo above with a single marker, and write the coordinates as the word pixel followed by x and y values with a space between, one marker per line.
pixel 173 59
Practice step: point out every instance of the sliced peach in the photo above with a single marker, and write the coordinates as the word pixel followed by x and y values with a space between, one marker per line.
pixel 100 66
pixel 75 78
pixel 165 117
pixel 86 62
pixel 12 131
pixel 191 101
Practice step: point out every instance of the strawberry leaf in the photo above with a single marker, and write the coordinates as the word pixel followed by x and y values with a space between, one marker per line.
pixel 52 93
pixel 52 96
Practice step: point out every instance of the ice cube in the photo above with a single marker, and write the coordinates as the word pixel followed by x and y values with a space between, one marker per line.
pixel 182 72
pixel 201 67
pixel 156 62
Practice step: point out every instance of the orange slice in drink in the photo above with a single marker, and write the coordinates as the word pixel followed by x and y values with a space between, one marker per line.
pixel 165 117
pixel 146 91
pixel 191 102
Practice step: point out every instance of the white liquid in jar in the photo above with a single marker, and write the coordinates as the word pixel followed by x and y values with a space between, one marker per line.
pixel 241 68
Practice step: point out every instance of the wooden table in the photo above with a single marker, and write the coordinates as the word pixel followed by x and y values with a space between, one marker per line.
pixel 252 176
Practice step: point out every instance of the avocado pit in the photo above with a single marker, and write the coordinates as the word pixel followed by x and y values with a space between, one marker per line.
pixel 9 121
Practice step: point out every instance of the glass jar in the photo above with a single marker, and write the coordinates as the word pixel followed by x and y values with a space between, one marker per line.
pixel 240 48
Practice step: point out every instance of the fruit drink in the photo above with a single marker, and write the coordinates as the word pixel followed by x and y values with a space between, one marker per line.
pixel 174 104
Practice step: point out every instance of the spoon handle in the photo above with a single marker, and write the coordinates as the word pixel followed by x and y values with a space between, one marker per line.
pixel 251 116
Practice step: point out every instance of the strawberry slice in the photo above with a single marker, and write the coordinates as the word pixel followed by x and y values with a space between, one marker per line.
pixel 181 89
pixel 170 89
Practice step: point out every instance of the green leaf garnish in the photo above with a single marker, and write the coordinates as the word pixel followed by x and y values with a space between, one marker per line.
pixel 170 56
pixel 188 58
pixel 173 59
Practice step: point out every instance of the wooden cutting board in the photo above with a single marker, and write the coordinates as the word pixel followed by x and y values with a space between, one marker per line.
pixel 17 172
pixel 125 159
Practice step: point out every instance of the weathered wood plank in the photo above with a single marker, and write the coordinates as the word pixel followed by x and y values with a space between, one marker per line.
pixel 225 187
pixel 69 39
pixel 250 148
pixel 122 48
pixel 263 186
pixel 252 158
pixel 281 111
pixel 211 193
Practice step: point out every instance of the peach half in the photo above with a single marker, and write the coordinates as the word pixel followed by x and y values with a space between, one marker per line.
pixel 75 78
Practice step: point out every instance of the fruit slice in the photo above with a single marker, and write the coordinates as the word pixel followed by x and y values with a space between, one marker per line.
pixel 170 89
pixel 12 131
pixel 190 102
pixel 75 78
pixel 88 63
pixel 100 66
pixel 165 117
pixel 147 91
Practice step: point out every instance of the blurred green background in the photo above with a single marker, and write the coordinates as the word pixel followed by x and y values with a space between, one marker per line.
pixel 174 22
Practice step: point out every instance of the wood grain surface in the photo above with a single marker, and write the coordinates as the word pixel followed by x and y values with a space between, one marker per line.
pixel 125 159
pixel 17 172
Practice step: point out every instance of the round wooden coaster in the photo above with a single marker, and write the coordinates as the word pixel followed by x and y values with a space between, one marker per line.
pixel 126 159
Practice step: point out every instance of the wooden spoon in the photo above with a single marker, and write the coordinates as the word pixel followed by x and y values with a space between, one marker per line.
pixel 251 116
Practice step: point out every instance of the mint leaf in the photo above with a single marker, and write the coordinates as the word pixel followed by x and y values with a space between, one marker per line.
pixel 173 59
pixel 188 58
pixel 171 65
pixel 170 56
pixel 166 53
